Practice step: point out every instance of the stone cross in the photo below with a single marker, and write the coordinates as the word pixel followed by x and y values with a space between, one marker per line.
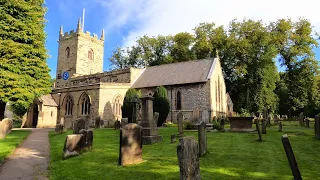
pixel 202 138
pixel 78 125
pixel 301 118
pixel 173 138
pixel 205 116
pixel 280 127
pixel 317 126
pixel 292 160
pixel 124 122
pixel 130 145
pixel 180 124
pixel 149 126
pixel 188 156
pixel 195 116
pixel 258 130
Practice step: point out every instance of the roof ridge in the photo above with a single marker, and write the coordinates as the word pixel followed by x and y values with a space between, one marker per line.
pixel 196 60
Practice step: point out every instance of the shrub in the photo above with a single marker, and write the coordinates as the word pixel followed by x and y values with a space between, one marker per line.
pixel 189 125
pixel 127 106
pixel 161 104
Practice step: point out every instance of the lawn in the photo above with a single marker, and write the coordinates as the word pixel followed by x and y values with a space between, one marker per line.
pixel 11 141
pixel 231 156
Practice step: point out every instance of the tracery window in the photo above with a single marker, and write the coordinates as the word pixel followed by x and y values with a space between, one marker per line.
pixel 85 104
pixel 68 106
pixel 117 106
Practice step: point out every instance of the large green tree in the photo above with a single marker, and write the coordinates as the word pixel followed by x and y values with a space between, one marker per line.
pixel 24 73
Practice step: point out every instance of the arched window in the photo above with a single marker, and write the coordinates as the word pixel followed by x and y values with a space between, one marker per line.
pixel 67 52
pixel 68 106
pixel 117 106
pixel 179 107
pixel 85 104
pixel 91 55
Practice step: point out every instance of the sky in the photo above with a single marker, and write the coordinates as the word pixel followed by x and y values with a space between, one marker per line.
pixel 126 20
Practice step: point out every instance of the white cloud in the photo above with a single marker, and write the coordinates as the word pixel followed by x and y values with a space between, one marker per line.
pixel 153 17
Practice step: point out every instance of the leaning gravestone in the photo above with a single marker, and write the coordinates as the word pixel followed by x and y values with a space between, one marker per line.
pixel 78 125
pixel 292 160
pixel 130 145
pixel 117 125
pixel 202 138
pixel 188 157
pixel 83 141
pixel 180 124
pixel 317 126
pixel 301 118
pixel 205 116
pixel 156 117
pixel 72 145
pixel 195 116
pixel 87 138
pixel 124 122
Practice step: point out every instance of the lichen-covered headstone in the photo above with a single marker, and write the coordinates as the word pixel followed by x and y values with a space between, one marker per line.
pixel 205 116
pixel 188 157
pixel 124 122
pixel 72 145
pixel 78 125
pixel 180 123
pixel 202 138
pixel 130 145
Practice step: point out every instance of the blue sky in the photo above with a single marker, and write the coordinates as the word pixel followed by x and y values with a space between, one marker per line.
pixel 125 20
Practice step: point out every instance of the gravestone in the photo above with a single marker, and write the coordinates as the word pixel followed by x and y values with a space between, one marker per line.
pixel 78 125
pixel 317 126
pixel 7 125
pixel 205 116
pixel 97 123
pixel 301 118
pixel 307 122
pixel 258 130
pixel 149 126
pixel 202 138
pixel 264 126
pixel 195 116
pixel 59 129
pixel 124 122
pixel 117 125
pixel 180 123
pixel 130 145
pixel 222 123
pixel 188 157
pixel 173 138
pixel 89 138
pixel 291 159
pixel 72 145
pixel 2 130
pixel 280 127
pixel 83 141
pixel 156 117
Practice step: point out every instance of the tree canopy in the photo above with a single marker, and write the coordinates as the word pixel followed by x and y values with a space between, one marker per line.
pixel 24 73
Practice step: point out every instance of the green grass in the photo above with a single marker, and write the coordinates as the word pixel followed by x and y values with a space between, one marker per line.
pixel 11 141
pixel 231 156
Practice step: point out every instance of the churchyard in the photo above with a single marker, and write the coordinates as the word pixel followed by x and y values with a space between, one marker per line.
pixel 231 155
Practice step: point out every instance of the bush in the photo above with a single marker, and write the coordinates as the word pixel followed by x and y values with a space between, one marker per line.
pixel 127 106
pixel 189 125
pixel 161 104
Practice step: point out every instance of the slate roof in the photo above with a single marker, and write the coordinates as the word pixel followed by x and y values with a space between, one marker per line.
pixel 47 100
pixel 176 73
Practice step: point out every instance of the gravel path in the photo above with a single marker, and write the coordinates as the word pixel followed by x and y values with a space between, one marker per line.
pixel 30 160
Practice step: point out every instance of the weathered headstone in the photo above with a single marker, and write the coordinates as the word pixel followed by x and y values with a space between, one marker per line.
pixel 72 145
pixel 180 123
pixel 258 130
pixel 149 126
pixel 264 126
pixel 188 156
pixel 78 125
pixel 117 125
pixel 280 127
pixel 205 116
pixel 222 123
pixel 59 129
pixel 130 145
pixel 173 138
pixel 301 118
pixel 317 126
pixel 83 141
pixel 89 138
pixel 124 122
pixel 202 138
pixel 2 130
pixel 195 116
pixel 156 117
pixel 291 159
pixel 6 126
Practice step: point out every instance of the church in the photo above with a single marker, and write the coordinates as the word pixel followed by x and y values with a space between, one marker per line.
pixel 83 90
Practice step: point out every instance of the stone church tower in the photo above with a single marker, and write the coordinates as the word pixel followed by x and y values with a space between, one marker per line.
pixel 79 54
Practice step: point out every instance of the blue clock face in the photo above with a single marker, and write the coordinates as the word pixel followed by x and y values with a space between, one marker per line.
pixel 65 75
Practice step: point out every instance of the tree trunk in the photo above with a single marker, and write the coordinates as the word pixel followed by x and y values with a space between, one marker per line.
pixel 2 109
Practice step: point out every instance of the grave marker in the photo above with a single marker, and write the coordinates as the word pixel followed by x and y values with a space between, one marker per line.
pixel 78 125
pixel 202 138
pixel 205 116
pixel 180 123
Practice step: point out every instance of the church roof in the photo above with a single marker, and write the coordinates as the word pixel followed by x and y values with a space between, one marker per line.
pixel 176 73
pixel 47 100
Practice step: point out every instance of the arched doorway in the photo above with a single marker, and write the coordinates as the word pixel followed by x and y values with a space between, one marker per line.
pixel 35 116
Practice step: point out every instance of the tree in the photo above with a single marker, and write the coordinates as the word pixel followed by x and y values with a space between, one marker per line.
pixel 294 42
pixel 127 107
pixel 181 48
pixel 161 104
pixel 24 73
